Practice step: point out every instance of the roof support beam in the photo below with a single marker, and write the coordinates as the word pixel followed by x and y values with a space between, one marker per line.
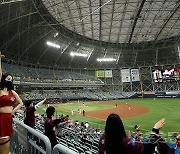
pixel 90 10
pixel 36 41
pixel 121 22
pixel 62 53
pixel 168 18
pixel 136 19
pixel 111 21
pixel 70 15
pixel 100 20
pixel 80 16
pixel 8 2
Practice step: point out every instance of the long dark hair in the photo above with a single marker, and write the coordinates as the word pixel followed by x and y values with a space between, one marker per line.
pixel 3 79
pixel 115 133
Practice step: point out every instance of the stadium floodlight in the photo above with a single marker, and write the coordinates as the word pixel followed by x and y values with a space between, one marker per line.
pixel 56 34
pixel 53 44
pixel 78 54
pixel 106 59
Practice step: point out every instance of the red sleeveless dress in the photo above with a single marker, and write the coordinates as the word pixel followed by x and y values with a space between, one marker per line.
pixel 6 118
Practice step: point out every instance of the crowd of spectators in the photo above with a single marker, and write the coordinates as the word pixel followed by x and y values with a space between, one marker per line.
pixel 64 131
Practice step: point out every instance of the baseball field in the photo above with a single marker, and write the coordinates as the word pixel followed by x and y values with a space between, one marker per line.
pixel 143 112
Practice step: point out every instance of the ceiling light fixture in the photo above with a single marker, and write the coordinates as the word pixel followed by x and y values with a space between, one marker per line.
pixel 56 34
pixel 106 59
pixel 78 54
pixel 53 44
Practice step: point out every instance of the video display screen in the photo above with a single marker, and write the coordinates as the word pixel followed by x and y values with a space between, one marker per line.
pixel 166 74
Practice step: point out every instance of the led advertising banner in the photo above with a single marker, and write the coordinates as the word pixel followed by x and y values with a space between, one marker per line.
pixel 135 75
pixel 108 74
pixel 100 74
pixel 125 75
pixel 166 74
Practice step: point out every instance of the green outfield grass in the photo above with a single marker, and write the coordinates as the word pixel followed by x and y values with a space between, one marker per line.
pixel 159 108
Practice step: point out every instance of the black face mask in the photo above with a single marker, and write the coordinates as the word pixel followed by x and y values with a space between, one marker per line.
pixel 8 84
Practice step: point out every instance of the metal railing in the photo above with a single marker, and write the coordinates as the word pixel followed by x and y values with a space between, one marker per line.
pixel 26 140
pixel 62 149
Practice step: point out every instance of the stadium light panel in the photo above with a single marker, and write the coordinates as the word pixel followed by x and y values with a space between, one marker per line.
pixel 53 44
pixel 106 59
pixel 78 54
pixel 56 34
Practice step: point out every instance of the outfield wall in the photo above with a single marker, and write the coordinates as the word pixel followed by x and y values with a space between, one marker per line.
pixel 162 95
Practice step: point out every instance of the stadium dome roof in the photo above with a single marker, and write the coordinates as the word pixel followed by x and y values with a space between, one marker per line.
pixel 133 32
pixel 118 21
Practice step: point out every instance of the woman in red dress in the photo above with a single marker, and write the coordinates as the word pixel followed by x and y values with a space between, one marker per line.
pixel 10 102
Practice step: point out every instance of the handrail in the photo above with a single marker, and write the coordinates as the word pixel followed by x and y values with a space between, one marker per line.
pixel 41 136
pixel 62 149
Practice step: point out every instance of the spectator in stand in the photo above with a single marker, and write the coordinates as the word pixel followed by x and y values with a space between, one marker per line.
pixel 10 102
pixel 82 124
pixel 86 125
pixel 115 141
pixel 97 131
pixel 84 138
pixel 177 142
pixel 138 133
pixel 50 123
pixel 30 112
pixel 177 148
pixel 76 123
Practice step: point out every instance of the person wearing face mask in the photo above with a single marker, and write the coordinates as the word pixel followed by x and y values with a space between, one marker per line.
pixel 10 102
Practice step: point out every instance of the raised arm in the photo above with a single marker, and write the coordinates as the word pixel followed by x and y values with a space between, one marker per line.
pixel 158 125
pixel 19 102
pixel 40 103
pixel 154 137
pixel 1 56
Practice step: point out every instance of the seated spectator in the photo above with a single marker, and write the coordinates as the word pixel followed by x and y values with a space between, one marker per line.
pixel 86 125
pixel 82 124
pixel 76 123
pixel 98 131
pixel 65 118
pixel 50 124
pixel 115 141
pixel 84 138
